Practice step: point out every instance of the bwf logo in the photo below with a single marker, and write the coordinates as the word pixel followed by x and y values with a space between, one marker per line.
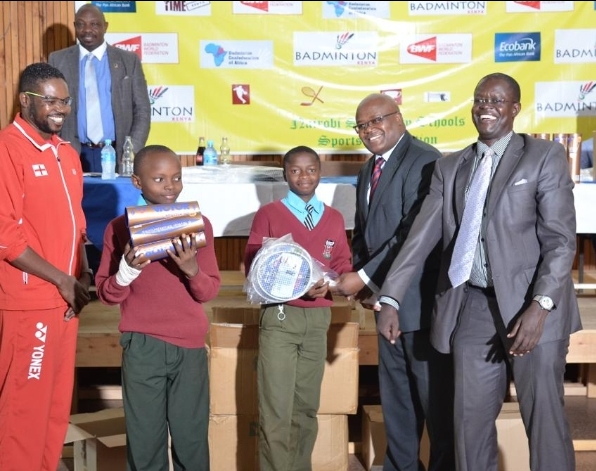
pixel 38 352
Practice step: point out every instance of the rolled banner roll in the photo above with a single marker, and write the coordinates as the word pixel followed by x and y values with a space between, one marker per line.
pixel 158 249
pixel 165 229
pixel 156 212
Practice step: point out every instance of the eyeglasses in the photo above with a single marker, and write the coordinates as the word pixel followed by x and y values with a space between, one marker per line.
pixel 490 101
pixel 373 122
pixel 52 100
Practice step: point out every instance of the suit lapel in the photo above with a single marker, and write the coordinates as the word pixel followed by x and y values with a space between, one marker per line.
pixel 362 187
pixel 461 180
pixel 73 75
pixel 391 167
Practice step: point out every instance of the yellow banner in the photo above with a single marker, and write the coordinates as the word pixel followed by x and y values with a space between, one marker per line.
pixel 273 75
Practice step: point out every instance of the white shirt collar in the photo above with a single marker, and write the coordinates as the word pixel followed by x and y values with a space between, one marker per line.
pixel 98 52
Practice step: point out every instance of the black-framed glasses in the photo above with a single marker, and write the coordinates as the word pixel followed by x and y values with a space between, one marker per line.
pixel 373 122
pixel 490 101
pixel 52 100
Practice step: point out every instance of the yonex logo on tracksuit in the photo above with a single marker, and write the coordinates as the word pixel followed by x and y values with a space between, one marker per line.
pixel 38 352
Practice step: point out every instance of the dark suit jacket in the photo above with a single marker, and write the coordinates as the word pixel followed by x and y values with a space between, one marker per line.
pixel 530 236
pixel 381 229
pixel 130 98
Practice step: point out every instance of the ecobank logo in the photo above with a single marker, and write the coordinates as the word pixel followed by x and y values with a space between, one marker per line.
pixel 38 352
pixel 516 47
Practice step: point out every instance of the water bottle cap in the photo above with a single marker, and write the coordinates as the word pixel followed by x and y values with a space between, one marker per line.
pixel 209 142
pixel 108 142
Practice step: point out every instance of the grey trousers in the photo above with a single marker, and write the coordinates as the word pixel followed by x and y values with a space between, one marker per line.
pixel 482 368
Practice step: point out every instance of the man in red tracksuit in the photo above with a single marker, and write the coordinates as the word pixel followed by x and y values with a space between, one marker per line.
pixel 44 276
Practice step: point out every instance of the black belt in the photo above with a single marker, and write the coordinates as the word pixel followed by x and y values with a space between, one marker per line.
pixel 489 292
pixel 98 145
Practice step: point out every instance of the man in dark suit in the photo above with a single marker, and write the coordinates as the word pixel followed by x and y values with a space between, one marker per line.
pixel 514 307
pixel 125 108
pixel 406 368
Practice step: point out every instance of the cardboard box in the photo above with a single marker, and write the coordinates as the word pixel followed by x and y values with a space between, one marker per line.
pixel 233 443
pixel 99 440
pixel 514 454
pixel 249 315
pixel 374 440
pixel 514 451
pixel 233 353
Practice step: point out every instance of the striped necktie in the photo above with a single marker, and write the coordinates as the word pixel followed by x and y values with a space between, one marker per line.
pixel 375 177
pixel 94 125
pixel 308 221
pixel 467 238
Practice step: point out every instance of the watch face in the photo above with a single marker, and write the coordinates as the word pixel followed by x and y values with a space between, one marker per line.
pixel 546 303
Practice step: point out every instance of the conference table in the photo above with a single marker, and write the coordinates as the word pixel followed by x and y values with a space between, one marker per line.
pixel 229 200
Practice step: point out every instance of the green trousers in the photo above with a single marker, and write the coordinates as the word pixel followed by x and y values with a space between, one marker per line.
pixel 164 388
pixel 292 354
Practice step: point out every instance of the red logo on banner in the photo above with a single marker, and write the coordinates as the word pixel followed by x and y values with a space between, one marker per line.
pixel 263 6
pixel 535 5
pixel 426 49
pixel 132 45
pixel 241 94
pixel 394 93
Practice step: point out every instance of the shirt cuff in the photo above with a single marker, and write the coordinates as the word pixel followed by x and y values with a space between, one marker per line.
pixel 367 281
pixel 390 301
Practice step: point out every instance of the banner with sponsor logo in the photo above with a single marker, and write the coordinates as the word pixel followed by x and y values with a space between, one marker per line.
pixel 273 75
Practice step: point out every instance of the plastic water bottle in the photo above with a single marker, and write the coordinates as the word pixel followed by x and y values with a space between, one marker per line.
pixel 210 154
pixel 224 156
pixel 108 161
pixel 200 151
pixel 128 156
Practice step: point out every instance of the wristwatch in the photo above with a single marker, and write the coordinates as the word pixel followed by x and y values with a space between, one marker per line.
pixel 545 302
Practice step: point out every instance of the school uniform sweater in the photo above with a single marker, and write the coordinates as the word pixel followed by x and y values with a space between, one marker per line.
pixel 327 242
pixel 162 302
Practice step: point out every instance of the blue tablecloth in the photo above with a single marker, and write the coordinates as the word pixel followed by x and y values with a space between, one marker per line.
pixel 340 179
pixel 103 200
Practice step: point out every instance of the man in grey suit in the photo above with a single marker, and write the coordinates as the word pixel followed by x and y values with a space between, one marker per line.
pixel 125 107
pixel 514 308
pixel 414 379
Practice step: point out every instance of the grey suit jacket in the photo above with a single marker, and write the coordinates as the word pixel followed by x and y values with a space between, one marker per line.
pixel 530 236
pixel 130 98
pixel 381 229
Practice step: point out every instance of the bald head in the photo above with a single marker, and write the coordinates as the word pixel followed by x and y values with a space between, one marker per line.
pixel 378 99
